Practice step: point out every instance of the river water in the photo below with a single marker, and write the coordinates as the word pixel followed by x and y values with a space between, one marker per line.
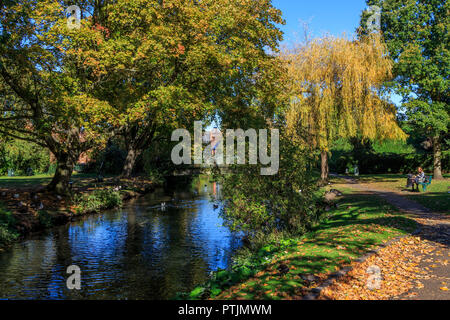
pixel 142 251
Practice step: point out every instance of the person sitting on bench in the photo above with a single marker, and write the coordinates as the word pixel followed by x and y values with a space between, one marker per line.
pixel 420 177
pixel 415 180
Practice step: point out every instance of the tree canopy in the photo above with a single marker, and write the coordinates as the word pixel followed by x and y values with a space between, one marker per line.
pixel 134 68
pixel 164 64
pixel 336 91
pixel 43 99
pixel 416 33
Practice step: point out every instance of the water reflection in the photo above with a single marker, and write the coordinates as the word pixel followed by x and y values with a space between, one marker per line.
pixel 143 251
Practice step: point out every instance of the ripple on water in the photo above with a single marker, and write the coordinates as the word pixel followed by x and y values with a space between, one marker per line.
pixel 139 252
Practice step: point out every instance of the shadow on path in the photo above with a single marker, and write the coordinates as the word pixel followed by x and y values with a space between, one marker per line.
pixel 434 228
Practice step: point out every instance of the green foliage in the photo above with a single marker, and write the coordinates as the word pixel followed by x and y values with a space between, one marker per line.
pixel 44 95
pixel 51 169
pixel 262 205
pixel 97 200
pixel 383 157
pixel 107 160
pixel 156 163
pixel 392 146
pixel 245 266
pixel 21 156
pixel 162 64
pixel 155 176
pixel 45 219
pixel 342 145
pixel 360 223
pixel 8 232
pixel 136 68
pixel 417 36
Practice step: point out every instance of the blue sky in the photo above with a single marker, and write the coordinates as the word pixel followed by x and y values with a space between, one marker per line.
pixel 323 16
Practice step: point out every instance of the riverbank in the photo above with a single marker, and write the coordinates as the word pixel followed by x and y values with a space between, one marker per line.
pixel 26 207
pixel 292 268
pixel 142 251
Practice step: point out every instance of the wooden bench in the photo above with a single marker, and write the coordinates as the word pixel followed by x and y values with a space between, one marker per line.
pixel 424 184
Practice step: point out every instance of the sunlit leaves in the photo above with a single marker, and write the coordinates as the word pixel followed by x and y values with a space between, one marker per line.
pixel 336 91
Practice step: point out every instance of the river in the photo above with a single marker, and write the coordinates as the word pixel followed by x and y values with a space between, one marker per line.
pixel 143 251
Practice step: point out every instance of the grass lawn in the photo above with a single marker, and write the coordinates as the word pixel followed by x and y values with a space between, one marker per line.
pixel 436 198
pixel 39 180
pixel 24 181
pixel 357 225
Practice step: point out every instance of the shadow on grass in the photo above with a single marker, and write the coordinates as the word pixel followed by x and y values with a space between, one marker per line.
pixel 365 210
pixel 359 224
pixel 438 202
pixel 23 182
pixel 381 178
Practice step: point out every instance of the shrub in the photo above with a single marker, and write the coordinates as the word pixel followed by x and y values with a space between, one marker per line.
pixel 244 267
pixel 8 231
pixel 376 163
pixel 155 176
pixel 98 200
pixel 260 206
pixel 51 169
pixel 107 161
pixel 387 157
pixel 21 156
pixel 45 219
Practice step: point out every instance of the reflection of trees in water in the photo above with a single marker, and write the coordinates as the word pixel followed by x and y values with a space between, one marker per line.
pixel 99 253
pixel 179 247
pixel 134 253
pixel 184 268
pixel 32 268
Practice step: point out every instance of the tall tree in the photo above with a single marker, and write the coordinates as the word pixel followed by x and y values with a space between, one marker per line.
pixel 417 36
pixel 42 99
pixel 336 92
pixel 164 64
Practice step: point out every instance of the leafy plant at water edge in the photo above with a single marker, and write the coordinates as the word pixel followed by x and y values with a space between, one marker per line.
pixel 285 202
pixel 97 200
pixel 8 232
pixel 45 219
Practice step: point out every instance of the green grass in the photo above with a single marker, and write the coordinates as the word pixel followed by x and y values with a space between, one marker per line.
pixel 360 223
pixel 38 180
pixel 24 181
pixel 436 198
pixel 381 178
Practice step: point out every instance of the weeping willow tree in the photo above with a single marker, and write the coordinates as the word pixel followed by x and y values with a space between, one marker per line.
pixel 335 87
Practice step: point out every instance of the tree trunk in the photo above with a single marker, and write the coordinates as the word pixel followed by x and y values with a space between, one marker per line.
pixel 130 161
pixel 64 170
pixel 137 139
pixel 324 166
pixel 437 154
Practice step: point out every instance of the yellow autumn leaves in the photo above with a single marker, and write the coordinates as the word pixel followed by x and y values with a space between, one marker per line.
pixel 335 86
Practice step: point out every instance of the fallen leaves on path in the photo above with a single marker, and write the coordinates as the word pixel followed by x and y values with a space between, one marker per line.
pixel 400 272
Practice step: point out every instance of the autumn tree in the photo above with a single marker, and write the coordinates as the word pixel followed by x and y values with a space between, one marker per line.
pixel 335 91
pixel 41 97
pixel 416 33
pixel 164 64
